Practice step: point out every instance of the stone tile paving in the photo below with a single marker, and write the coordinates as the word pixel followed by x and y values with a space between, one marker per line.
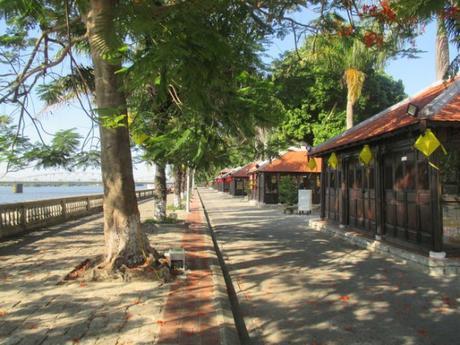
pixel 34 310
pixel 191 316
pixel 300 286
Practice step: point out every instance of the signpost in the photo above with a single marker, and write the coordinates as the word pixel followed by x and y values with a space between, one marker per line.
pixel 305 201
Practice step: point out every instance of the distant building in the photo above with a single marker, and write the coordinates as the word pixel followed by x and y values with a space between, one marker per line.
pixel 239 184
pixel 222 181
pixel 265 176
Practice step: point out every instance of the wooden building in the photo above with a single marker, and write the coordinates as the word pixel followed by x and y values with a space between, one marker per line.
pixel 380 178
pixel 253 182
pixel 266 176
pixel 222 181
pixel 239 184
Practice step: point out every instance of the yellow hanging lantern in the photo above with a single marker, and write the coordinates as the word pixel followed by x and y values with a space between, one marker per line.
pixel 333 161
pixel 428 143
pixel 365 156
pixel 311 163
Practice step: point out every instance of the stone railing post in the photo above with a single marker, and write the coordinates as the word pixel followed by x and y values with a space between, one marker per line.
pixel 63 209
pixel 23 218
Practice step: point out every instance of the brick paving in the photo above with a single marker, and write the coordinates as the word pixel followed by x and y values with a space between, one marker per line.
pixel 34 310
pixel 298 286
pixel 190 316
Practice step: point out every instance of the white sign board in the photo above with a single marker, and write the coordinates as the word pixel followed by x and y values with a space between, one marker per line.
pixel 305 201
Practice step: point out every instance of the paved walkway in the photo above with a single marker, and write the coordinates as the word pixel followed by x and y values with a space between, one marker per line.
pixel 191 316
pixel 34 310
pixel 300 286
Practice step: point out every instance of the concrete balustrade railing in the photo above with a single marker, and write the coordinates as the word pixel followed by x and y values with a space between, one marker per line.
pixel 21 217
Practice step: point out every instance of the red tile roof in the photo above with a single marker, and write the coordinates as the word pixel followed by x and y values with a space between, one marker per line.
pixel 244 171
pixel 291 161
pixel 223 173
pixel 450 112
pixel 396 117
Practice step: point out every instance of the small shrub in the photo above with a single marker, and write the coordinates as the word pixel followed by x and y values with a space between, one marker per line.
pixel 288 190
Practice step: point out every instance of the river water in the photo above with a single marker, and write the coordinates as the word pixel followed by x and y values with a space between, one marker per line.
pixel 47 192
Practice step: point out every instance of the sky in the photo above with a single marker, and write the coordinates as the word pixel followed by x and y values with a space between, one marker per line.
pixel 415 74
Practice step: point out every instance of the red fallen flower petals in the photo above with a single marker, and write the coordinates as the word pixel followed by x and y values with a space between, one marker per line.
pixel 345 298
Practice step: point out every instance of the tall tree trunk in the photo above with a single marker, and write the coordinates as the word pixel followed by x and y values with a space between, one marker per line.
pixel 177 186
pixel 125 243
pixel 354 78
pixel 442 49
pixel 183 189
pixel 349 113
pixel 160 193
pixel 189 187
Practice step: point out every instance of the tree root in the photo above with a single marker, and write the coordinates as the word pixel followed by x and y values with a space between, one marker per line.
pixel 154 267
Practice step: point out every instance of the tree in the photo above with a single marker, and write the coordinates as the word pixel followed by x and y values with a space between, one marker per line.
pixel 160 194
pixel 177 171
pixel 315 102
pixel 442 49
pixel 13 145
pixel 197 49
pixel 352 57
pixel 407 18
pixel 64 26
pixel 125 241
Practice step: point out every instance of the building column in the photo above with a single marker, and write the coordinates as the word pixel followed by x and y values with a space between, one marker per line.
pixel 277 188
pixel 323 189
pixel 379 194
pixel 436 191
pixel 343 199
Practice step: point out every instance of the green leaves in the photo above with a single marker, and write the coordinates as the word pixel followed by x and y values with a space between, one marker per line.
pixel 13 145
pixel 288 190
pixel 62 152
pixel 67 87
pixel 315 98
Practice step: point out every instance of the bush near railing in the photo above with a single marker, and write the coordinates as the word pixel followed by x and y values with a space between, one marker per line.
pixel 24 216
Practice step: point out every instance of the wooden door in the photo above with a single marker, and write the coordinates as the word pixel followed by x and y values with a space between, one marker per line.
pixel 354 185
pixel 332 195
pixel 369 202
pixel 271 188
pixel 361 195
pixel 407 197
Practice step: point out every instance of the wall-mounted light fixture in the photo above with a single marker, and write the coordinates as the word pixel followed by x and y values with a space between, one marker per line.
pixel 412 110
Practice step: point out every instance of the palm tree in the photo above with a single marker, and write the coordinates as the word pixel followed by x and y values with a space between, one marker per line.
pixel 351 56
pixel 442 49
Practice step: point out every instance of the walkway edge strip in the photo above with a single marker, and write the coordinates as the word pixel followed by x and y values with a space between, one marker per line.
pixel 226 291
pixel 432 267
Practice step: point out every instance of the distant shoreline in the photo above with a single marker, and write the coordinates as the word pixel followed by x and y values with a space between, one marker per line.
pixel 57 184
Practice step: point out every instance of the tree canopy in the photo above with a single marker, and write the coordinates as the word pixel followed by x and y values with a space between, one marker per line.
pixel 315 95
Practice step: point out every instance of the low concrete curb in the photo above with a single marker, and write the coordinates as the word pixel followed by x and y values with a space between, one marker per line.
pixel 228 330
pixel 434 267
